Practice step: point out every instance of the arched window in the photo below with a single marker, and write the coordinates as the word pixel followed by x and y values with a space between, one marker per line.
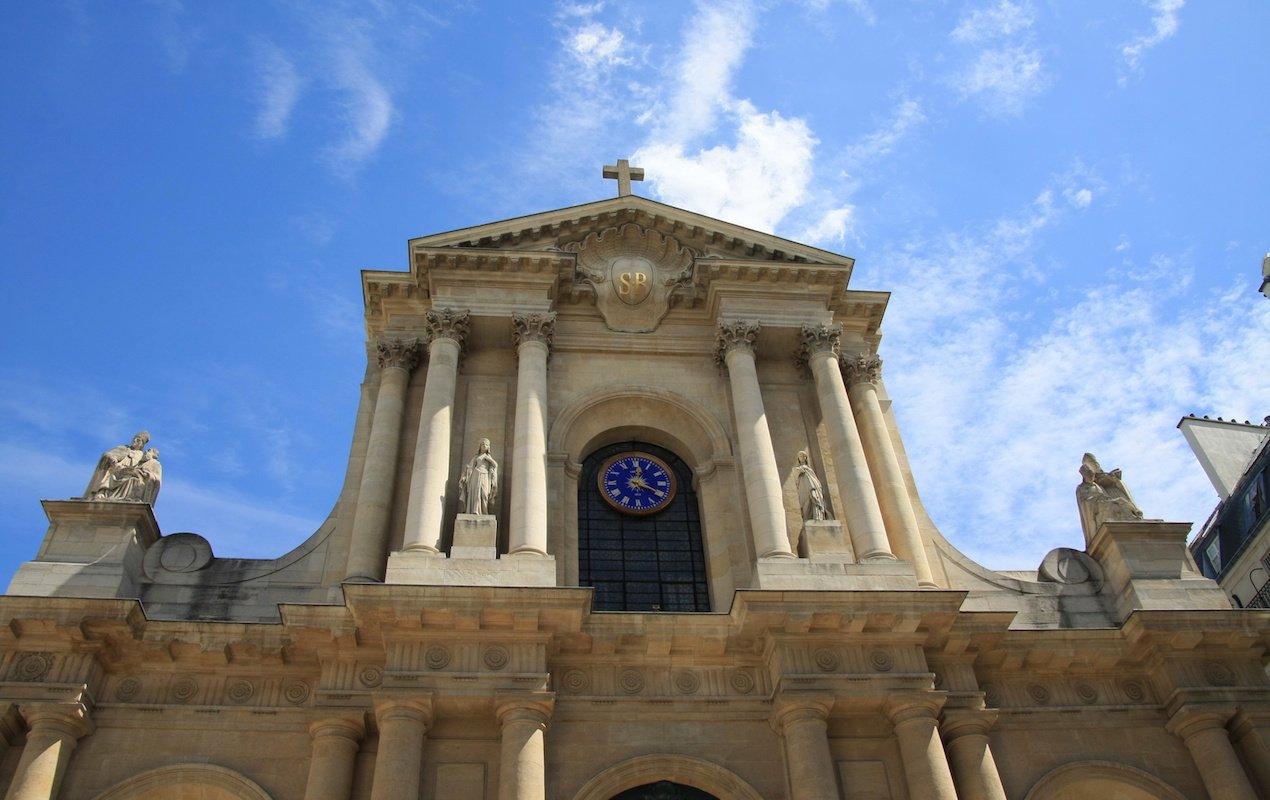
pixel 641 561
pixel 664 790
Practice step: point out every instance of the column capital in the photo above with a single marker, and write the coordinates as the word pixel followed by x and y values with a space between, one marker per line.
pixel 818 339
pixel 347 726
pixel 397 352
pixel 1189 720
pixel 735 335
pixel 448 323
pixel 533 327
pixel 394 710
pixel 790 711
pixel 532 707
pixel 958 722
pixel 72 721
pixel 860 369
pixel 905 708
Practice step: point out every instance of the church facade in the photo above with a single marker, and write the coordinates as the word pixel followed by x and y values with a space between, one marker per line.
pixel 626 515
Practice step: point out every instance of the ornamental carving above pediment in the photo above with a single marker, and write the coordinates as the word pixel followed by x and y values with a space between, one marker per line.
pixel 634 271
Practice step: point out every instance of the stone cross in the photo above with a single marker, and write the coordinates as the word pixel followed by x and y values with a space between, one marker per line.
pixel 624 173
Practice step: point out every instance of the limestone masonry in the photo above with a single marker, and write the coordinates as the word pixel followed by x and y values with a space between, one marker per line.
pixel 626 515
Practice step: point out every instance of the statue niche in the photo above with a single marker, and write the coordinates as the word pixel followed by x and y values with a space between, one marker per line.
pixel 634 272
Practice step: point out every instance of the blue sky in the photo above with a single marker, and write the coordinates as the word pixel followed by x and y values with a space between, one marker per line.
pixel 1068 201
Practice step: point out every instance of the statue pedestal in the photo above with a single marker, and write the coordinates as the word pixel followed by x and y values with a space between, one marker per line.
pixel 1147 566
pixel 795 574
pixel 475 536
pixel 93 548
pixel 473 561
pixel 826 540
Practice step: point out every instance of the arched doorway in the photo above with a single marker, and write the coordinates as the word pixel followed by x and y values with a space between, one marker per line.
pixel 641 561
pixel 664 790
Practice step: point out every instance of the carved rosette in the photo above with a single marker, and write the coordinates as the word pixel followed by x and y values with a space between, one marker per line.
pixel 818 339
pixel 402 354
pixel 861 369
pixel 449 323
pixel 533 327
pixel 732 335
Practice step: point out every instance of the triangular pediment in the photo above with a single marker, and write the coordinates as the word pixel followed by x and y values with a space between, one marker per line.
pixel 704 236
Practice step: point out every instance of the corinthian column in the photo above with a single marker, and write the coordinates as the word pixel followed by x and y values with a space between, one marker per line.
pixel 403 726
pixel 1204 731
pixel 925 765
pixel 862 375
pixel 531 335
pixel 335 744
pixel 53 730
pixel 522 773
pixel 447 329
pixel 863 516
pixel 758 459
pixel 804 731
pixel 368 550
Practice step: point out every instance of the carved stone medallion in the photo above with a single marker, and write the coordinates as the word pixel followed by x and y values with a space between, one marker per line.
pixel 634 272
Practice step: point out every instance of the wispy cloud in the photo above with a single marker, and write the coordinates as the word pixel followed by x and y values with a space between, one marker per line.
pixel 279 90
pixel 908 115
pixel 1037 384
pixel 1164 23
pixel 177 36
pixel 367 108
pixel 1006 68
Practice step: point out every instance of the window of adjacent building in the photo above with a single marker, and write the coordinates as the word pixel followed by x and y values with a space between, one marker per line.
pixel 641 563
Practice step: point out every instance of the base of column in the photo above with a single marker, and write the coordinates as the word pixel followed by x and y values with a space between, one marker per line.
pixel 787 574
pixel 420 569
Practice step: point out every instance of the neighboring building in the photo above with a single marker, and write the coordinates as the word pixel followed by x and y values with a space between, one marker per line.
pixel 626 515
pixel 1233 548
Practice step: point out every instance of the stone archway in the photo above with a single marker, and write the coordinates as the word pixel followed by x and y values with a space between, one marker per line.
pixel 205 781
pixel 651 770
pixel 660 417
pixel 1105 779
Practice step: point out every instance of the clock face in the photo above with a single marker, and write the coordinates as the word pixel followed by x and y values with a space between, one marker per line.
pixel 637 483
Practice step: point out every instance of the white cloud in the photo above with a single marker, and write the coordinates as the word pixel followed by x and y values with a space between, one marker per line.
pixel 861 7
pixel 1006 78
pixel 1164 24
pixel 907 116
pixel 1002 20
pixel 831 228
pixel 1079 198
pixel 279 91
pixel 1005 68
pixel 754 182
pixel 595 45
pixel 368 110
pixel 714 46
pixel 1109 373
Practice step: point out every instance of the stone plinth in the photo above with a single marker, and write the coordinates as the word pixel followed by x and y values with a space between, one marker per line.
pixel 801 573
pixel 93 548
pixel 825 540
pixel 430 569
pixel 475 536
pixel 1147 566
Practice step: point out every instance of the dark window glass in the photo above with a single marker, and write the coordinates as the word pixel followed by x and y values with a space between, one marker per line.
pixel 652 563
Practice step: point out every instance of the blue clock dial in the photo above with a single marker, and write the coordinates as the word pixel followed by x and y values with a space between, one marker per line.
pixel 637 483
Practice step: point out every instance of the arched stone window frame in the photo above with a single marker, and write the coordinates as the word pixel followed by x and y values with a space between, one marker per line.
pixel 1081 778
pixel 669 420
pixel 165 780
pixel 695 772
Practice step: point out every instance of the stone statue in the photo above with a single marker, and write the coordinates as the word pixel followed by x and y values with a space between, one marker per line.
pixel 127 472
pixel 1102 496
pixel 479 485
pixel 811 496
